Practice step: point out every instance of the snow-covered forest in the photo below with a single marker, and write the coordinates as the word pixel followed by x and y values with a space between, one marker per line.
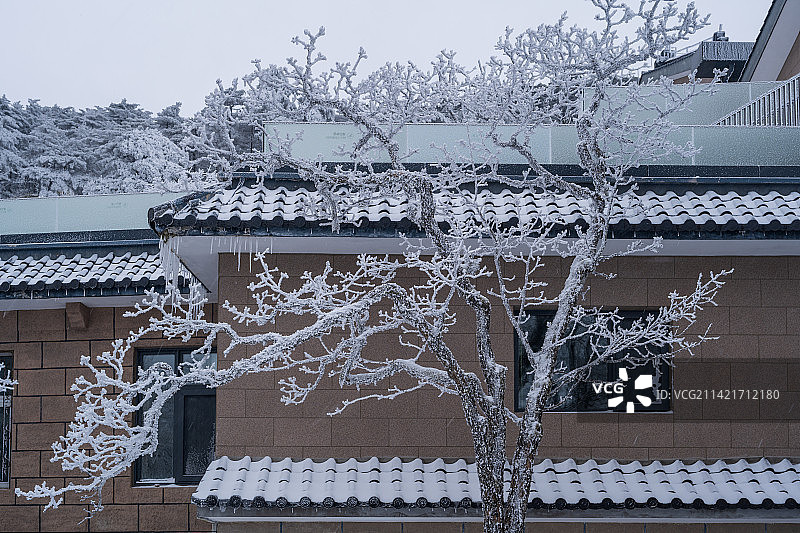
pixel 122 148
pixel 53 150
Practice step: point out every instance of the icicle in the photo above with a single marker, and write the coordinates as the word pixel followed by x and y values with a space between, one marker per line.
pixel 174 269
pixel 166 256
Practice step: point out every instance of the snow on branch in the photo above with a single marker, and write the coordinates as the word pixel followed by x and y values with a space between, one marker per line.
pixel 657 336
pixel 6 383
pixel 473 258
pixel 347 308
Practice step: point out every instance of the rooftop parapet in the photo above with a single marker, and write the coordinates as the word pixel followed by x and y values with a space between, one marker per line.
pixel 423 143
pixel 78 218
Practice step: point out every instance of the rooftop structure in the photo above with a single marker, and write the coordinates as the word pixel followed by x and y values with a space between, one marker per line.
pixel 776 52
pixel 718 53
pixel 97 250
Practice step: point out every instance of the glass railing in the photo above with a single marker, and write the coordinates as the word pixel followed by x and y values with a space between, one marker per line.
pixel 778 107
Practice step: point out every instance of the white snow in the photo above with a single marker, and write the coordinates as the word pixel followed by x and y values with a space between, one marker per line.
pixel 435 479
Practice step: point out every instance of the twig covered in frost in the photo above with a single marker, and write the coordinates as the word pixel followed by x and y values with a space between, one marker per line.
pixel 6 383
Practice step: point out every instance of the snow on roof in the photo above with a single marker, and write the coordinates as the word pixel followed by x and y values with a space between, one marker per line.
pixel 266 207
pixel 399 483
pixel 51 274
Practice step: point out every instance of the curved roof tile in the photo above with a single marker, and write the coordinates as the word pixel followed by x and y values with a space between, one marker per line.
pixel 397 482
pixel 275 205
pixel 112 270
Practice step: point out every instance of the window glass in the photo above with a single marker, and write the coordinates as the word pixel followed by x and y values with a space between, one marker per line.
pixel 574 354
pixel 186 430
pixel 198 433
pixel 146 360
pixel 158 467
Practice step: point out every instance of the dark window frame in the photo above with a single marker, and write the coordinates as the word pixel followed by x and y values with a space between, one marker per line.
pixel 663 406
pixel 178 448
pixel 7 358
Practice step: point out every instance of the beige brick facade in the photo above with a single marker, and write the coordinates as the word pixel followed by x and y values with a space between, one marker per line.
pixel 46 356
pixel 757 321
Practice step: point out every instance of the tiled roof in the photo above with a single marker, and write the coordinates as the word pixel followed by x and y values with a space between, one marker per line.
pixel 435 484
pixel 64 273
pixel 265 207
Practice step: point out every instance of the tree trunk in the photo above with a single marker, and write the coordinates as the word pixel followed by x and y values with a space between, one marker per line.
pixel 503 511
pixel 494 522
pixel 504 518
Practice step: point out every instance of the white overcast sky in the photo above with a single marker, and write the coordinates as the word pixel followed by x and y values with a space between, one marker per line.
pixel 156 52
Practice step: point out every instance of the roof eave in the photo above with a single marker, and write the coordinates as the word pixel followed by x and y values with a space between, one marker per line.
pixel 474 514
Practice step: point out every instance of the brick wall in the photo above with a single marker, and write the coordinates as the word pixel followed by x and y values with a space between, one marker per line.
pixel 46 355
pixel 757 321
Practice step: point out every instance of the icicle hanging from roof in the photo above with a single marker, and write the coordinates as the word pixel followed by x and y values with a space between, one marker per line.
pixel 174 272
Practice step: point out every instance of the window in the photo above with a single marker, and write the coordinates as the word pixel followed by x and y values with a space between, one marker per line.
pixel 585 396
pixel 5 425
pixel 186 428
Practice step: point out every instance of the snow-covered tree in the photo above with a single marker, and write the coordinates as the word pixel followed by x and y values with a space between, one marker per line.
pixel 14 130
pixel 551 74
pixel 53 151
pixel 58 156
pixel 139 159
pixel 171 124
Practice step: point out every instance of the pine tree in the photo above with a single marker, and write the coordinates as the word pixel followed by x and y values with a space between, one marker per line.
pixel 14 128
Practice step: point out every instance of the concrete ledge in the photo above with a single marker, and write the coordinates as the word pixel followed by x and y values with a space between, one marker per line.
pixel 410 514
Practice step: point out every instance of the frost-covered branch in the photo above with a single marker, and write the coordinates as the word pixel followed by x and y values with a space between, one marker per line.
pixel 6 382
pixel 657 336
pixel 474 257
pixel 347 311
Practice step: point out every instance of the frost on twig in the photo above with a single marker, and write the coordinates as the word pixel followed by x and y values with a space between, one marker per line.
pixel 6 383
pixel 390 316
